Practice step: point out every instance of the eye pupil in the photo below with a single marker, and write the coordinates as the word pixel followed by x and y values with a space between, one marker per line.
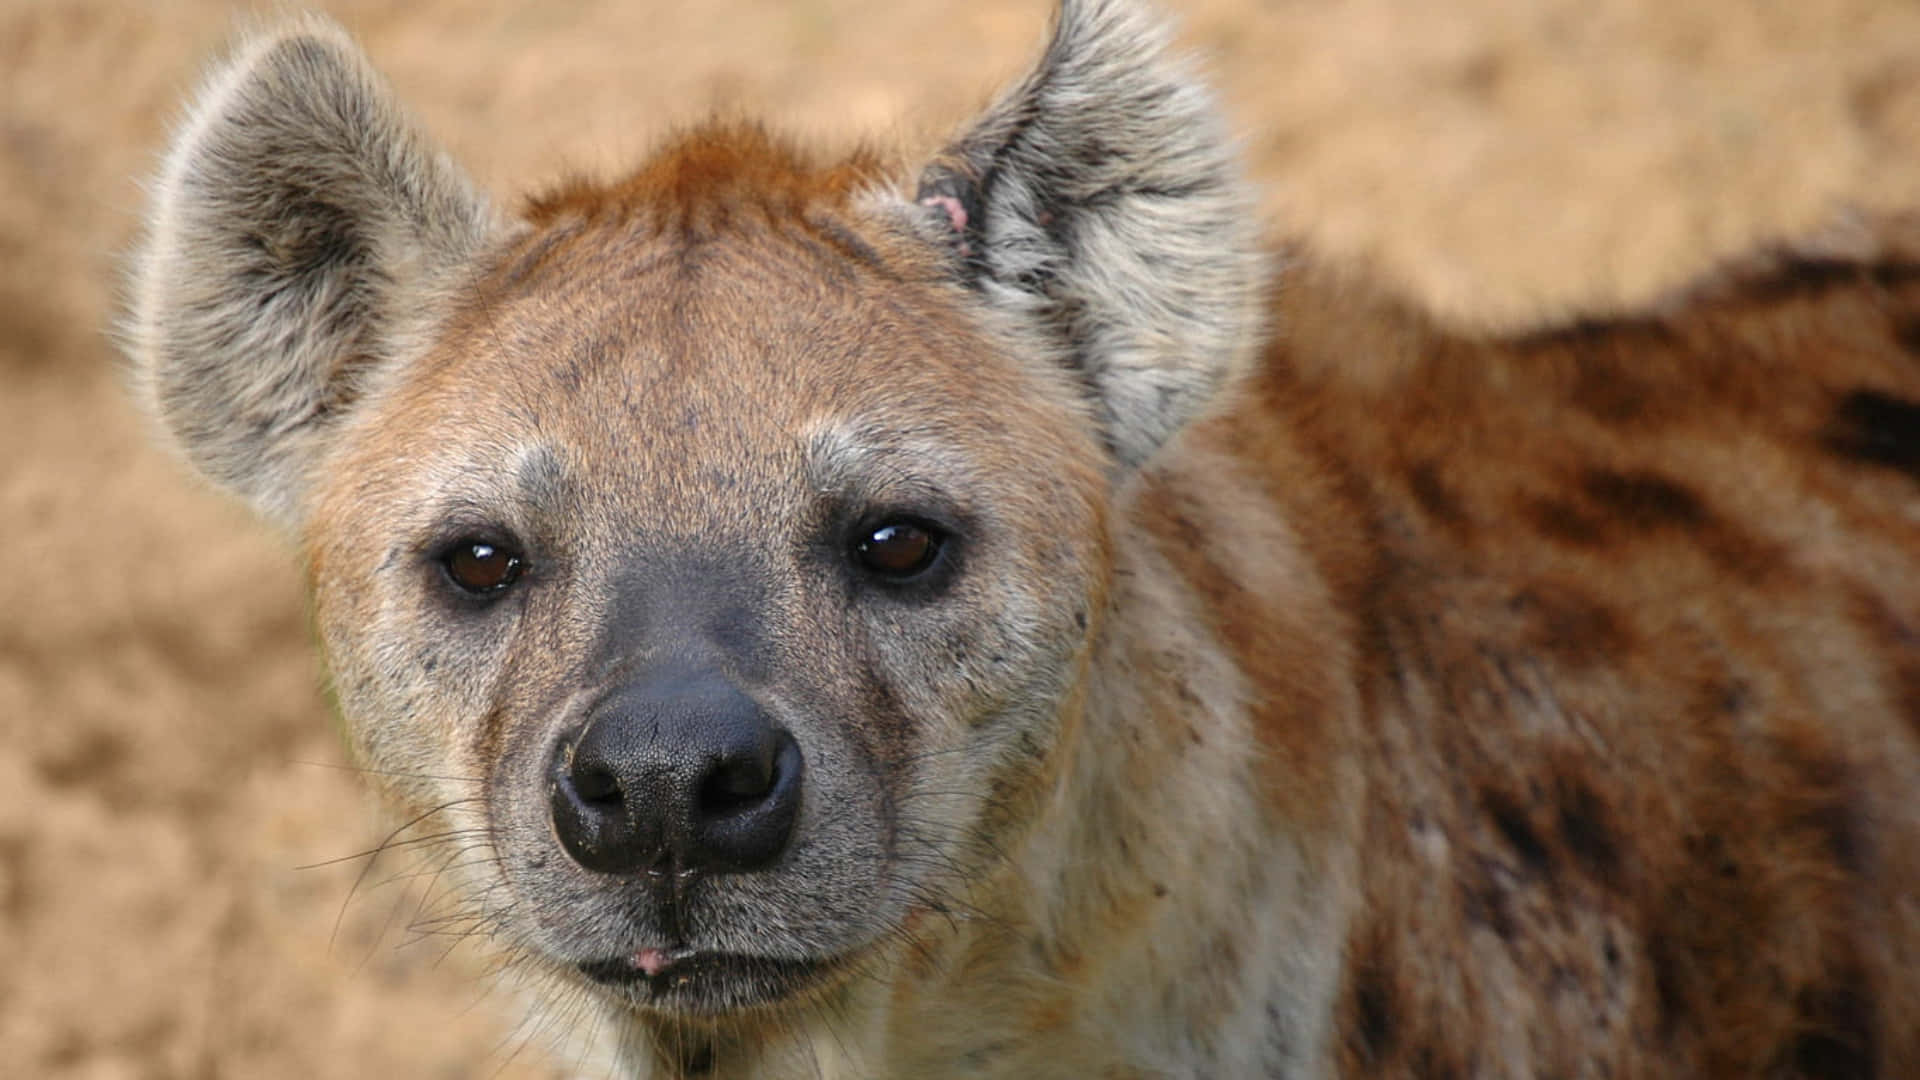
pixel 898 550
pixel 478 566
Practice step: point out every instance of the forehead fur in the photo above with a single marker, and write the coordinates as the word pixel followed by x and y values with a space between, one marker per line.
pixel 732 315
pixel 703 175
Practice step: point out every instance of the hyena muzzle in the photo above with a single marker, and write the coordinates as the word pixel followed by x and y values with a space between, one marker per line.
pixel 1006 623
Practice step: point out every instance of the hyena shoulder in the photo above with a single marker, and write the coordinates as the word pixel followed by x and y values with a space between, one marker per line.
pixel 1635 605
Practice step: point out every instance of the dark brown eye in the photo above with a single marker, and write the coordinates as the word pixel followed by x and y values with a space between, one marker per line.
pixel 898 550
pixel 481 566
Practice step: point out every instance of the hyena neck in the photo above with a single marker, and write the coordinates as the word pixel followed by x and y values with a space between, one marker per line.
pixel 1194 803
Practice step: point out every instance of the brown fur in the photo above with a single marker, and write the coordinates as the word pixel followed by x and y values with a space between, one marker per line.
pixel 1377 701
pixel 1641 752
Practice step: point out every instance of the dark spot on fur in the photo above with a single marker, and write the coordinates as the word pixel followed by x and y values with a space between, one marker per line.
pixel 1710 852
pixel 1830 810
pixel 1644 503
pixel 1560 520
pixel 1607 392
pixel 1433 496
pixel 1371 1007
pixel 1373 1016
pixel 1839 827
pixel 1591 333
pixel 1877 429
pixel 1511 820
pixel 1570 624
pixel 1584 829
pixel 1812 275
pixel 1837 1040
pixel 1643 499
pixel 1888 275
pixel 1664 961
pixel 1906 688
pixel 1907 333
pixel 1797 277
pixel 1730 698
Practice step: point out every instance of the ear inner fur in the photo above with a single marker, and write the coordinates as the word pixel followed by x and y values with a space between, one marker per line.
pixel 1101 206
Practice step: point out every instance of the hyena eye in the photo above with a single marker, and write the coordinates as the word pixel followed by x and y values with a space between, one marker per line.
pixel 482 566
pixel 898 550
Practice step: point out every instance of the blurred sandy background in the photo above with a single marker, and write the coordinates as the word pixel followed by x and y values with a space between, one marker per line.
pixel 166 760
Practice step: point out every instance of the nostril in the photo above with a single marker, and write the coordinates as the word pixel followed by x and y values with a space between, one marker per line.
pixel 739 782
pixel 747 827
pixel 594 783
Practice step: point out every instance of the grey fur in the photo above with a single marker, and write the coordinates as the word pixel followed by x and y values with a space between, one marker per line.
pixel 1106 211
pixel 297 225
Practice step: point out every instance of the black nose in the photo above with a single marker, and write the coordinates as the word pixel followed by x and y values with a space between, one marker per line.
pixel 677 773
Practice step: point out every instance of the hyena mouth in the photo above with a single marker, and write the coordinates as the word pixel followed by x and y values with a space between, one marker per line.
pixel 679 785
pixel 707 983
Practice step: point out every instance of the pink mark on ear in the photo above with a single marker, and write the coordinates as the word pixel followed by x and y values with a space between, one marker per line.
pixel 956 217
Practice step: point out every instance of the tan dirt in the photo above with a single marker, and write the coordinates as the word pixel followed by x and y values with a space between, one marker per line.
pixel 167 762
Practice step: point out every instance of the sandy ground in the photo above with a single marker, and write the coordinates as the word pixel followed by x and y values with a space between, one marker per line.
pixel 167 764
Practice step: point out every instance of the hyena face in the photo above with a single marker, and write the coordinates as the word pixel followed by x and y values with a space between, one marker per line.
pixel 718 549
pixel 711 553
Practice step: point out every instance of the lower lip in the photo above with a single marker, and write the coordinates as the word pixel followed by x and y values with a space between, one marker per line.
pixel 670 974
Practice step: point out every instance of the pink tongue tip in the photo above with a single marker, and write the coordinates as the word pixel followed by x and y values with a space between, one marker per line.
pixel 652 961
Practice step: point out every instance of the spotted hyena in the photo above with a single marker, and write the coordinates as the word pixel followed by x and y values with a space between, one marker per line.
pixel 998 619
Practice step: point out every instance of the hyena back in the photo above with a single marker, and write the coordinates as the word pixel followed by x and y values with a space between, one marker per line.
pixel 1013 625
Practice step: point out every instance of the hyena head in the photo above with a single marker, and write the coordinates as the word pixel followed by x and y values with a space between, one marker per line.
pixel 719 550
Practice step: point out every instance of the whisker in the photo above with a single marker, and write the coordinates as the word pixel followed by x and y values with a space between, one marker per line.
pixel 387 845
pixel 398 774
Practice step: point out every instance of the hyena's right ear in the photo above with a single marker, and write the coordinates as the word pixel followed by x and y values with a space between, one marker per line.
pixel 297 224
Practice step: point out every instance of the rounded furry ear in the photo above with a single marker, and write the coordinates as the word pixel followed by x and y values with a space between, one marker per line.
pixel 1099 202
pixel 299 222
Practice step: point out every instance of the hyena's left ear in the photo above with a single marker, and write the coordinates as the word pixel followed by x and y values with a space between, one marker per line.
pixel 299 226
pixel 1099 202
